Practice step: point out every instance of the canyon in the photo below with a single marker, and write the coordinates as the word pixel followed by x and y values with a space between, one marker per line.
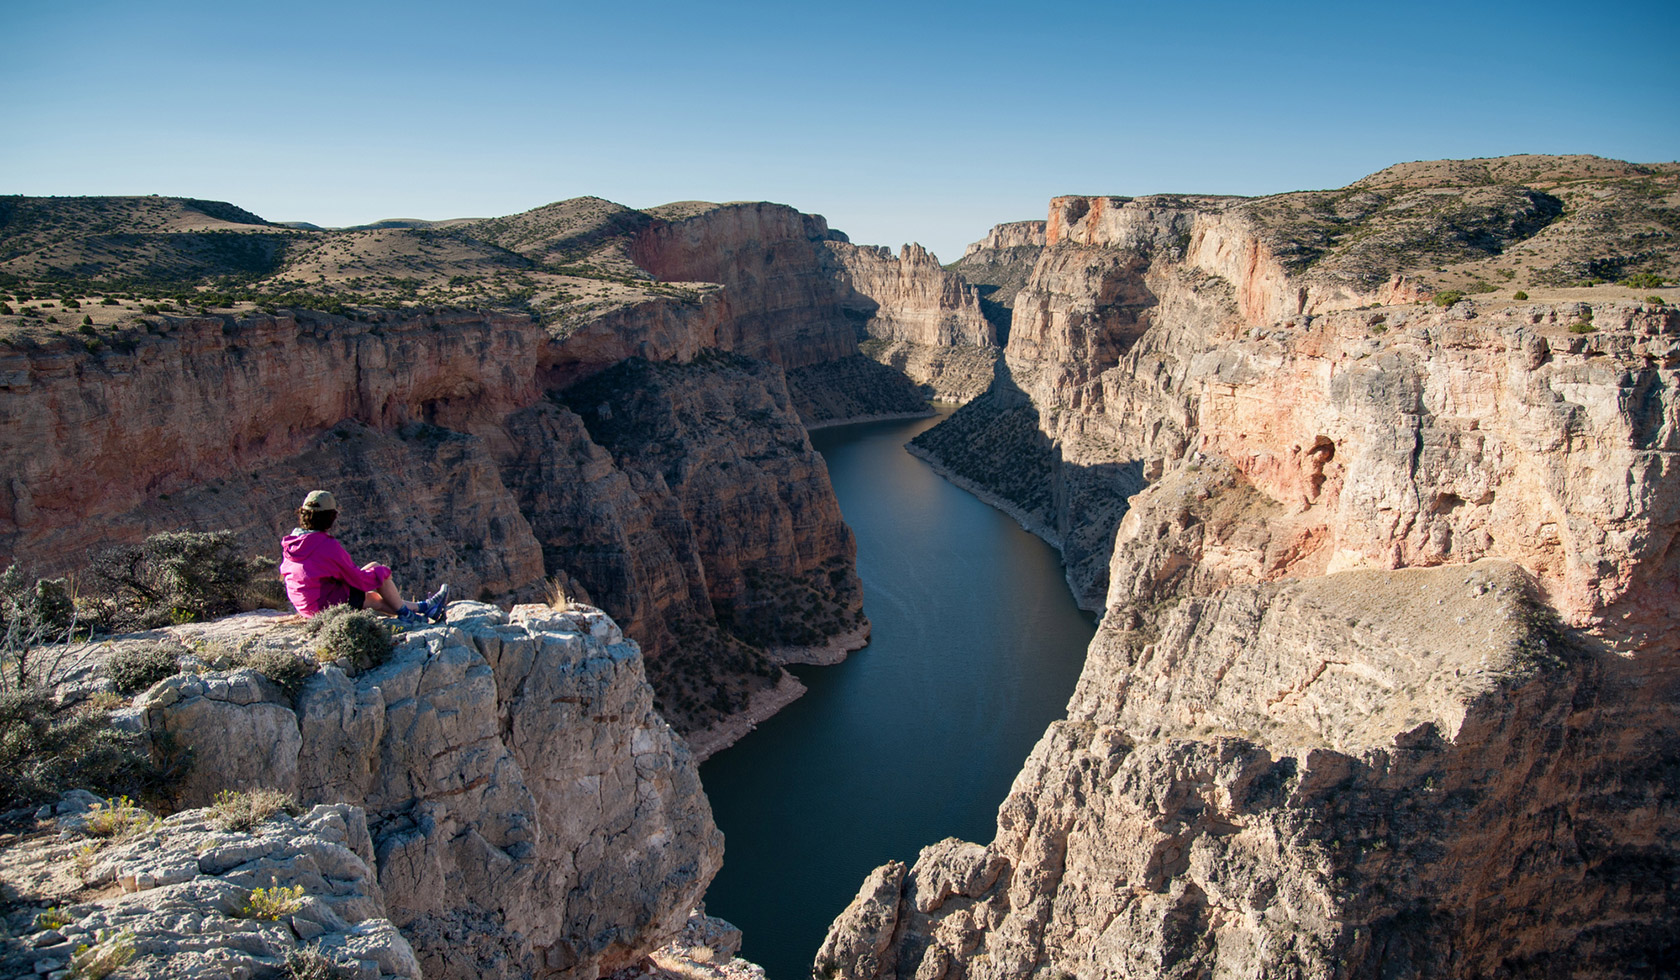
pixel 1386 675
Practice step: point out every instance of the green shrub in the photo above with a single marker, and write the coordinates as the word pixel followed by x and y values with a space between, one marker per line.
pixel 135 668
pixel 245 810
pixel 110 952
pixel 1643 280
pixel 357 636
pixel 284 668
pixel 118 816
pixel 272 903
pixel 173 577
pixel 1448 297
pixel 36 621
pixel 1582 326
pixel 43 752
pixel 108 301
pixel 44 605
pixel 1655 300
pixel 1519 294
pixel 53 918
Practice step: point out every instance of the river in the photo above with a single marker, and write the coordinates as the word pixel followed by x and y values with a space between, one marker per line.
pixel 976 646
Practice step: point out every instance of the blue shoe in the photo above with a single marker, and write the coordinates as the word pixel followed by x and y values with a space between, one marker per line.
pixel 434 606
pixel 411 616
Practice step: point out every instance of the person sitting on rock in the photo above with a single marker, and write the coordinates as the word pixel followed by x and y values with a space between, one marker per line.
pixel 319 573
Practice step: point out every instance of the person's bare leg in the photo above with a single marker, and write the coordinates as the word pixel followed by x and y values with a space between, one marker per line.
pixel 387 600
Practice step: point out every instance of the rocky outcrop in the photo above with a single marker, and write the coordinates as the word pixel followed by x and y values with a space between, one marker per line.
pixel 999 266
pixel 781 305
pixel 530 812
pixel 1010 234
pixel 175 899
pixel 911 298
pixel 1385 683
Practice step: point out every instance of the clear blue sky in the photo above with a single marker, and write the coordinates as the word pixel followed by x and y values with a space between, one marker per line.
pixel 899 121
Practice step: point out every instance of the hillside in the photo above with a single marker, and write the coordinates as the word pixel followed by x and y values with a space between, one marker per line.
pixel 563 263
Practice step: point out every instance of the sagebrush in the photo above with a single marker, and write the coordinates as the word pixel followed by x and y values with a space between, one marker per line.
pixel 137 667
pixel 245 810
pixel 44 751
pixel 173 577
pixel 358 637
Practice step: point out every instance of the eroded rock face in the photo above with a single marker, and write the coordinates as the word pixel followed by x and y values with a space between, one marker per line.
pixel 911 298
pixel 999 266
pixel 1362 774
pixel 530 812
pixel 182 898
pixel 781 303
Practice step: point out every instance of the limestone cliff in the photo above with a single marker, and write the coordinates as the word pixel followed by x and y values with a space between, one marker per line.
pixel 999 265
pixel 530 813
pixel 781 303
pixel 1386 679
pixel 911 298
pixel 922 321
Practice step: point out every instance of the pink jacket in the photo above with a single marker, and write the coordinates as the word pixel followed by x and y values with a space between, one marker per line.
pixel 319 573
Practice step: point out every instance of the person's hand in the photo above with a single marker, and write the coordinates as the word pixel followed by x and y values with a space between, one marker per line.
pixel 369 566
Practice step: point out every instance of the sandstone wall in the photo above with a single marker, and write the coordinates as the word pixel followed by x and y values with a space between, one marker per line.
pixel 911 298
pixel 781 303
pixel 530 812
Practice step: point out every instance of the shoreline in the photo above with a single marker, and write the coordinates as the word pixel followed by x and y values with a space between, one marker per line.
pixel 760 706
pixel 835 651
pixel 860 419
pixel 987 497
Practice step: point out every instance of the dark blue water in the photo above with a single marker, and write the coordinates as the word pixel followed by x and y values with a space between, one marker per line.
pixel 976 646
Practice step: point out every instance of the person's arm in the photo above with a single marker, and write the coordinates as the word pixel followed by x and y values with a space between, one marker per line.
pixel 353 575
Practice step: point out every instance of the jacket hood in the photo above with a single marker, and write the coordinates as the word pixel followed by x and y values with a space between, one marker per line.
pixel 301 544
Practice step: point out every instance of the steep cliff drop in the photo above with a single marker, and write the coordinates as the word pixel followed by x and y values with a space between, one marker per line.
pixel 530 813
pixel 1386 682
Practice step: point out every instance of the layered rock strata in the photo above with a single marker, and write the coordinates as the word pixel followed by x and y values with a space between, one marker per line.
pixel 781 302
pixel 911 298
pixel 920 320
pixel 530 813
pixel 1385 683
